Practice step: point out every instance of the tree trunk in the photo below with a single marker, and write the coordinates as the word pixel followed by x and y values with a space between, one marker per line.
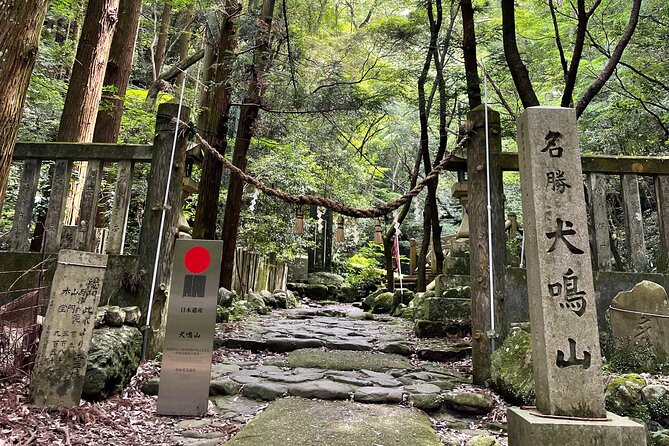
pixel 85 87
pixel 184 38
pixel 117 74
pixel 215 129
pixel 521 77
pixel 161 43
pixel 469 54
pixel 82 101
pixel 247 119
pixel 19 43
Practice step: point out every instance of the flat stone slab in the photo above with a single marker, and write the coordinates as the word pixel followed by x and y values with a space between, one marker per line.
pixel 346 360
pixel 322 389
pixel 336 424
pixel 378 395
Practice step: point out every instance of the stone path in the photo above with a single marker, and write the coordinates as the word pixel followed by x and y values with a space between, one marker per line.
pixel 375 369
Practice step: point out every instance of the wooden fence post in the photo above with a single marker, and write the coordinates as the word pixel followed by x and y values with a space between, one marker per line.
pixel 479 274
pixel 148 239
pixel 599 215
pixel 119 217
pixel 412 257
pixel 636 247
pixel 60 186
pixel 662 196
pixel 19 238
pixel 88 205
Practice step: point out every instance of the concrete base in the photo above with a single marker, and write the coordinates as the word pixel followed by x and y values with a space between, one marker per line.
pixel 526 429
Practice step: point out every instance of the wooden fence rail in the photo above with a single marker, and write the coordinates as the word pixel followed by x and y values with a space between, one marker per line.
pixel 626 170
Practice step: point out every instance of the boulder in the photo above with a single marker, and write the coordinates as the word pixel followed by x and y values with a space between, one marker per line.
pixel 368 302
pixel 132 315
pixel 257 303
pixel 349 293
pixel 623 396
pixel 281 298
pixel 656 398
pixel 317 291
pixel 322 389
pixel 226 297
pixel 112 361
pixel 443 308
pixel 325 278
pixel 269 299
pixel 511 368
pixel 114 316
pixel 223 386
pixel 468 402
pixel 383 303
pixel 291 300
pixel 378 395
pixel 482 441
pixel 428 402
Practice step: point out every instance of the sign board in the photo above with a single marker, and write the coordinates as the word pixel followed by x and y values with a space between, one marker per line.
pixel 60 366
pixel 191 317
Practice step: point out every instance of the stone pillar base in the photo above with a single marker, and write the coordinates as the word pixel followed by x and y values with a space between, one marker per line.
pixel 526 429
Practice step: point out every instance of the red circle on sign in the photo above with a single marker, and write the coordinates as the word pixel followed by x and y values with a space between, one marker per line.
pixel 197 259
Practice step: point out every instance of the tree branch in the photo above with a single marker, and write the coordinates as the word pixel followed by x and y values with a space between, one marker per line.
pixel 171 74
pixel 610 66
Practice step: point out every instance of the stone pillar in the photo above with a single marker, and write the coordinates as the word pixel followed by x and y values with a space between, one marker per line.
pixel 60 366
pixel 563 315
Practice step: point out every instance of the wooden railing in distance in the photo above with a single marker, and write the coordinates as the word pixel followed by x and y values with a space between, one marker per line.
pixel 628 169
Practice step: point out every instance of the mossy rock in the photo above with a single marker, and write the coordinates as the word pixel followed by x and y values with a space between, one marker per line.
pixel 368 302
pixel 623 396
pixel 336 423
pixel 511 368
pixel 345 360
pixel 383 303
pixel 656 399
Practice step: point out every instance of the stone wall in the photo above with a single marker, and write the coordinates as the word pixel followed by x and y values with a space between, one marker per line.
pixel 607 285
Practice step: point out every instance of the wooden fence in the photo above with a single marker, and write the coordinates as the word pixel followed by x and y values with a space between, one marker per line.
pixel 621 174
pixel 253 272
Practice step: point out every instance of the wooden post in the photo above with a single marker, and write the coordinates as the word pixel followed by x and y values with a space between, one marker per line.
pixel 636 247
pixel 148 238
pixel 412 257
pixel 599 216
pixel 88 206
pixel 662 195
pixel 119 217
pixel 478 241
pixel 60 186
pixel 19 237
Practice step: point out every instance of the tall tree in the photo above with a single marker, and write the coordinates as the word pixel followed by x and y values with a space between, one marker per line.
pixel 245 129
pixel 19 38
pixel 158 51
pixel 215 126
pixel 117 73
pixel 77 123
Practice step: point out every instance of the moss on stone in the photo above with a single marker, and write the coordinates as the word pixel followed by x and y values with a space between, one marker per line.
pixel 336 424
pixel 345 360
pixel 383 303
pixel 623 396
pixel 511 368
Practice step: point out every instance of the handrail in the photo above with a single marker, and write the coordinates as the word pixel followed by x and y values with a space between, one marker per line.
pixel 82 151
pixel 604 164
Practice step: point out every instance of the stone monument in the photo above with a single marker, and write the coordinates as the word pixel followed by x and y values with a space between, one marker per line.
pixel 189 339
pixel 565 341
pixel 640 317
pixel 60 366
